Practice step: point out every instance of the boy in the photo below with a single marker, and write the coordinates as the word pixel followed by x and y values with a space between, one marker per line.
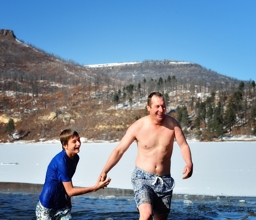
pixel 54 200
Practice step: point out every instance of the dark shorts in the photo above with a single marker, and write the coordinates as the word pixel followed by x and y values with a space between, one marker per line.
pixel 152 189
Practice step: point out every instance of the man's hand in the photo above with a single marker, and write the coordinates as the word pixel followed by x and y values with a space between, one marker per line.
pixel 188 171
pixel 103 176
pixel 100 184
pixel 104 183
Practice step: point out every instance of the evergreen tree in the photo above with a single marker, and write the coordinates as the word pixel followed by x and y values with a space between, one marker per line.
pixel 179 114
pixel 185 119
pixel 144 83
pixel 182 115
pixel 130 102
pixel 198 122
pixel 166 98
pixel 218 121
pixel 230 115
pixel 209 113
pixel 237 101
pixel 160 83
pixel 202 111
pixel 10 127
pixel 241 86
pixel 253 86
pixel 124 97
pixel 116 98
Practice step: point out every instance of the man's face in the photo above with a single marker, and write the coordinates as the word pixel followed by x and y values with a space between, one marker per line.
pixel 73 146
pixel 157 108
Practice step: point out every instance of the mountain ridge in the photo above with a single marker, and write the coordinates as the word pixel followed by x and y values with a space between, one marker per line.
pixel 43 93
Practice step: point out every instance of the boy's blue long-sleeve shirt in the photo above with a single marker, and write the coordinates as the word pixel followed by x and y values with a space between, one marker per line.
pixel 61 169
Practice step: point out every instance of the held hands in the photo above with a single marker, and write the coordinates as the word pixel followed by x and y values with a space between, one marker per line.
pixel 101 183
pixel 188 171
pixel 103 176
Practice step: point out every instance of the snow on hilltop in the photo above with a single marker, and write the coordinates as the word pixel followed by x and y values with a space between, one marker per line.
pixel 126 63
pixel 111 64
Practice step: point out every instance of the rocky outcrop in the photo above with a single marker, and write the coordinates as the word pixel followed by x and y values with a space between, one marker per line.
pixel 4 119
pixel 65 117
pixel 7 34
pixel 49 117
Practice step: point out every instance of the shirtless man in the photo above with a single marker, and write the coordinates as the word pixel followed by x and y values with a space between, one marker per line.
pixel 154 134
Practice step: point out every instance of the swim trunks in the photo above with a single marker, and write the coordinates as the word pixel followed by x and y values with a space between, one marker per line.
pixel 43 213
pixel 153 189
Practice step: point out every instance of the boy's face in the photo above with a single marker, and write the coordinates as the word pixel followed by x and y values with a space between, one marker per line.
pixel 73 146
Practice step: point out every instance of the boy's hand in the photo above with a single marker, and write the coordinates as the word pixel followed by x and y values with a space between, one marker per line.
pixel 106 182
pixel 101 184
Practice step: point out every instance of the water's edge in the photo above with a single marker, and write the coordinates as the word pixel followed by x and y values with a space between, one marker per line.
pixel 18 201
pixel 13 187
pixel 31 188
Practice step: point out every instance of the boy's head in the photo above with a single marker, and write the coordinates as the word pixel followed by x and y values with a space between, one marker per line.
pixel 65 135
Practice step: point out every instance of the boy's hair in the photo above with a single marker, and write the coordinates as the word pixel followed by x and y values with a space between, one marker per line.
pixel 66 134
pixel 158 94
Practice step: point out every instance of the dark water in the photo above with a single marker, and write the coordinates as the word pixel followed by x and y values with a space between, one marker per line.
pixel 22 206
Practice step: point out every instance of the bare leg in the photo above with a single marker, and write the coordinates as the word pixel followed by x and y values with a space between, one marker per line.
pixel 146 212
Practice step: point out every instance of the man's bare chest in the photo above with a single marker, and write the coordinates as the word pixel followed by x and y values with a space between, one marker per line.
pixel 150 138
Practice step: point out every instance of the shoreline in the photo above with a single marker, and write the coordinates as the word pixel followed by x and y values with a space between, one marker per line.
pixel 237 138
pixel 31 188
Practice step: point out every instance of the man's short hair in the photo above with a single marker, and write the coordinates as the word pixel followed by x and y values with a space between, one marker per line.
pixel 66 134
pixel 158 94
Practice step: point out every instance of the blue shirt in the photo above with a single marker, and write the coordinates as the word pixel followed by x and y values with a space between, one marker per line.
pixel 61 169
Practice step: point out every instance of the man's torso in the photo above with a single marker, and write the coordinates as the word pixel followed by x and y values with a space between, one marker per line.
pixel 155 146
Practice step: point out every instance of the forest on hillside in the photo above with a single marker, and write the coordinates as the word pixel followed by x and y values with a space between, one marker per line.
pixel 207 112
pixel 41 93
pixel 210 113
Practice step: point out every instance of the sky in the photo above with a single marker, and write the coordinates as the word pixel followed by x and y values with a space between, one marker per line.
pixel 218 35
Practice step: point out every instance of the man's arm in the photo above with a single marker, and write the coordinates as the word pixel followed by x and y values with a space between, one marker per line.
pixel 118 152
pixel 185 151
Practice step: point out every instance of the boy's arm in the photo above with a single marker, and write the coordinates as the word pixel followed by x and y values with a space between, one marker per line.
pixel 75 191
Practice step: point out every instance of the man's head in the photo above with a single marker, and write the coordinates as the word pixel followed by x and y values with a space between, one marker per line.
pixel 156 106
pixel 157 94
pixel 67 134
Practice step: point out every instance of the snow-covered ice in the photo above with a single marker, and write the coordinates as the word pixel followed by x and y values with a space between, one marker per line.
pixel 220 168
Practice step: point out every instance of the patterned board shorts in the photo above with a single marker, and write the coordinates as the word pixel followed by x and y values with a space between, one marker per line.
pixel 43 213
pixel 152 189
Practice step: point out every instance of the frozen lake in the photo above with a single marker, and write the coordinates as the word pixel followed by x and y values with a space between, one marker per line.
pixel 220 168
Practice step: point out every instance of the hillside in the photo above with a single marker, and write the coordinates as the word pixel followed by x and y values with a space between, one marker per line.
pixel 152 69
pixel 43 94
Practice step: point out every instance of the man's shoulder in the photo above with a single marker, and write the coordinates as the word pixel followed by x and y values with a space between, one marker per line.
pixel 169 117
pixel 138 124
pixel 171 120
pixel 141 120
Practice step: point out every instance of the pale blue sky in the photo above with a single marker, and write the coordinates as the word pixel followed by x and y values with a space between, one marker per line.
pixel 219 35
